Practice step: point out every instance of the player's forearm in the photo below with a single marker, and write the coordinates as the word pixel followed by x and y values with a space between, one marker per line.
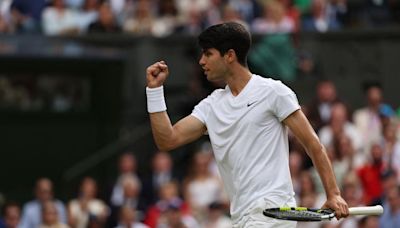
pixel 162 130
pixel 321 162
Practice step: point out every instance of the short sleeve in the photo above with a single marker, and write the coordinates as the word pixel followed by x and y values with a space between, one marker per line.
pixel 284 101
pixel 200 111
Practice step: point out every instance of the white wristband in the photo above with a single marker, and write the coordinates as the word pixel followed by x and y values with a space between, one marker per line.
pixel 155 99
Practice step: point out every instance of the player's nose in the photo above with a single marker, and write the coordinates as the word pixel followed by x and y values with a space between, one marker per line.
pixel 202 61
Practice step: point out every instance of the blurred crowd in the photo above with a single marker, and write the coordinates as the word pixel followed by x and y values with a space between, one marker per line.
pixel 363 146
pixel 35 93
pixel 165 17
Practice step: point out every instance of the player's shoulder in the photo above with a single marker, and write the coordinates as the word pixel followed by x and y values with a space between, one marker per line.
pixel 272 85
pixel 217 93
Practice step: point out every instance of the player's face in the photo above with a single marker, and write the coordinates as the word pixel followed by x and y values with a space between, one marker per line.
pixel 213 64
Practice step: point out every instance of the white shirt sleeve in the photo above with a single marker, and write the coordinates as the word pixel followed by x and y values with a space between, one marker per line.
pixel 284 102
pixel 201 110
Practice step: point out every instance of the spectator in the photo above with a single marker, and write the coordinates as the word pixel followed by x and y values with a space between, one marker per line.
pixel 339 125
pixel 320 19
pixel 369 222
pixel 367 119
pixel 229 13
pixel 88 14
pixel 274 19
pixel 319 110
pixel 32 213
pixel 50 218
pixel 168 195
pixel 199 181
pixel 74 4
pixel 292 12
pixel 127 169
pixel 106 22
pixel 128 219
pixel 216 217
pixel 248 9
pixel 11 215
pixel 167 19
pixel 370 176
pixel 172 217
pixel 391 212
pixel 142 20
pixel 161 174
pixel 60 20
pixel 27 14
pixel 87 207
pixel 296 166
pixel 188 7
pixel 213 14
pixel 391 147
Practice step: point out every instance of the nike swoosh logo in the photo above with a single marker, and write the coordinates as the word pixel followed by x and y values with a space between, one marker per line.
pixel 250 104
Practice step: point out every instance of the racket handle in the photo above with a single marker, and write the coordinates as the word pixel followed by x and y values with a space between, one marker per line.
pixel 372 210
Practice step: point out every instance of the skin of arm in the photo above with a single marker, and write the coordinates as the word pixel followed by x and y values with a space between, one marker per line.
pixel 166 135
pixel 301 128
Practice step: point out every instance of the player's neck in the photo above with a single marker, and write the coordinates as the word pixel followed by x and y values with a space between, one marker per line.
pixel 238 79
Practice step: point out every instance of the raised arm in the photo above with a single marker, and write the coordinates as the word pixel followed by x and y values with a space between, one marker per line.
pixel 166 136
pixel 301 128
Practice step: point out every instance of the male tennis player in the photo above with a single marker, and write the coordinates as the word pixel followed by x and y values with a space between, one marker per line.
pixel 247 124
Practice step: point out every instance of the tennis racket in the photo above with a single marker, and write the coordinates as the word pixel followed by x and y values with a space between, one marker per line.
pixel 312 215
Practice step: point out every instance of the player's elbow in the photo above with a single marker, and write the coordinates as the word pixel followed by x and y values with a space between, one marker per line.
pixel 166 145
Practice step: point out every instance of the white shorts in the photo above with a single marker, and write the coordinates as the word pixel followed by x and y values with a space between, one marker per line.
pixel 256 219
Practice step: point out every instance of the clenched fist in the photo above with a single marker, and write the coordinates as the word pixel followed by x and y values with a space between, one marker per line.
pixel 156 74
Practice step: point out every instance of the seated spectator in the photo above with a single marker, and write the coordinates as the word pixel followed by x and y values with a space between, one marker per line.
pixel 274 19
pixel 320 20
pixel 5 26
pixel 230 13
pixel 167 19
pixel 50 218
pixel 391 147
pixel 161 174
pixel 57 19
pixel 370 176
pixel 319 110
pixel 27 15
pixel 74 4
pixel 201 188
pixel 172 217
pixel 11 216
pixel 142 20
pixel 106 22
pixel 127 219
pixel 367 119
pixel 339 125
pixel 127 168
pixel 248 10
pixel 216 217
pixel 391 209
pixel 32 212
pixel 292 12
pixel 168 195
pixel 130 198
pixel 87 207
pixel 369 222
pixel 296 165
pixel 88 14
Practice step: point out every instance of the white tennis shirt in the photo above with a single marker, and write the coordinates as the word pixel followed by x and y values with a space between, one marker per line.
pixel 250 142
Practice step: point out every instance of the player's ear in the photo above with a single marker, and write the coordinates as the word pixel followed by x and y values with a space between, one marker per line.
pixel 230 56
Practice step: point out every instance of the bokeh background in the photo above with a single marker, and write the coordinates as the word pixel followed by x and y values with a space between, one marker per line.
pixel 75 141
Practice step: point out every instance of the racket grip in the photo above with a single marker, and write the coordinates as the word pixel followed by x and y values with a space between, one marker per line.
pixel 372 210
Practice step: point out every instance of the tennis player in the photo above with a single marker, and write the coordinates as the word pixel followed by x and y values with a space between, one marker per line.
pixel 247 124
